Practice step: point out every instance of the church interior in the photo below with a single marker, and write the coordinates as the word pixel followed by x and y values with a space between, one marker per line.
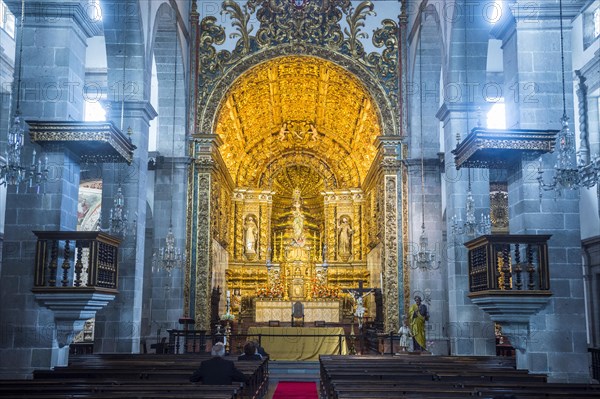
pixel 184 171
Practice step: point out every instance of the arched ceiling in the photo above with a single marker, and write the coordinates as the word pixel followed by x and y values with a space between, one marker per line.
pixel 298 110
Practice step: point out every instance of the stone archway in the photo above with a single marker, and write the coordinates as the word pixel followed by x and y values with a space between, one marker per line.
pixel 224 165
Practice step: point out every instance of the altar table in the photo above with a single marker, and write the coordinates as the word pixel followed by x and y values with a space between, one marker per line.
pixel 303 347
pixel 326 310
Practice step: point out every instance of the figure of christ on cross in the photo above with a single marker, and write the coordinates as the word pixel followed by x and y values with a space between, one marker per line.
pixel 359 296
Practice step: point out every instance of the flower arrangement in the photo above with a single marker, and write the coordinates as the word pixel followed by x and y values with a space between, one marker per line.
pixel 227 316
pixel 320 290
pixel 273 291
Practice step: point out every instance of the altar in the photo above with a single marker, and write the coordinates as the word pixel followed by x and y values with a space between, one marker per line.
pixel 328 311
pixel 300 343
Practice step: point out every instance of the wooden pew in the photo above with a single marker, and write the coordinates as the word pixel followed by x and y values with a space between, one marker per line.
pixel 144 376
pixel 366 377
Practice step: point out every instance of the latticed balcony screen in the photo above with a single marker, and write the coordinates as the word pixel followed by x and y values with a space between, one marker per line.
pixel 508 263
pixel 76 260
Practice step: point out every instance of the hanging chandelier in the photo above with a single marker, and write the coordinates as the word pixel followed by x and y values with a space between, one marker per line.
pixel 170 256
pixel 568 173
pixel 471 228
pixel 118 216
pixel 14 171
pixel 423 259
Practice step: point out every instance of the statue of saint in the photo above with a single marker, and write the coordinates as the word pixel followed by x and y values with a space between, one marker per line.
pixel 417 316
pixel 345 236
pixel 251 235
pixel 298 223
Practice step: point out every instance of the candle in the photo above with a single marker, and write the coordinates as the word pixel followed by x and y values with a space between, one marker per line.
pixel 381 280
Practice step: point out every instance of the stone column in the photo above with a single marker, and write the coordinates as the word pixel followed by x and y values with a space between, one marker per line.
pixel 555 342
pixel 53 45
pixel 117 327
pixel 470 330
pixel 165 291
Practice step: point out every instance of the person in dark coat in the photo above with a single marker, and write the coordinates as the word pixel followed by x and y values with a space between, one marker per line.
pixel 250 352
pixel 260 350
pixel 217 370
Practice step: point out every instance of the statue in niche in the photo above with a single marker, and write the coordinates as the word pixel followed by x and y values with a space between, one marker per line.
pixel 345 237
pixel 251 233
pixel 298 223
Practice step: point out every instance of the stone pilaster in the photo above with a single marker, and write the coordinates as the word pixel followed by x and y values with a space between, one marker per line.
pixel 555 342
pixel 470 330
pixel 164 296
pixel 50 91
pixel 117 327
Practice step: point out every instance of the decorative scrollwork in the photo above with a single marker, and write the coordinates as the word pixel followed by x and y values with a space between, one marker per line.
pixel 239 19
pixel 385 65
pixel 281 23
pixel 210 65
pixel 356 21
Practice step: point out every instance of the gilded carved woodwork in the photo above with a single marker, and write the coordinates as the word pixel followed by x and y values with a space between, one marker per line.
pixel 220 210
pixel 390 267
pixel 281 24
pixel 298 104
pixel 499 207
pixel 405 237
pixel 344 225
pixel 391 166
pixel 203 255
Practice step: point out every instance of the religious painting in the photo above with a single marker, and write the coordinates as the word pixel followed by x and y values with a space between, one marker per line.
pixel 89 205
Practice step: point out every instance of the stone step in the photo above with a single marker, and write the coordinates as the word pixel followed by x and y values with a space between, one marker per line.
pixel 293 371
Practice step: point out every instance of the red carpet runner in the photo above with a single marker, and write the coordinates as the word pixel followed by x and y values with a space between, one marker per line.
pixel 296 390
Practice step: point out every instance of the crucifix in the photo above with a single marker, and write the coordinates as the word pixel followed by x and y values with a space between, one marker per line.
pixel 360 292
pixel 359 296
pixel 377 293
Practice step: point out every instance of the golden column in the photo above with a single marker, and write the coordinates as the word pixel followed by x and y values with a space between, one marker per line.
pixel 205 163
pixel 390 149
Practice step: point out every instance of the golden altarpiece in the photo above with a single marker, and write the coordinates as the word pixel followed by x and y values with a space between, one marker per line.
pixel 296 166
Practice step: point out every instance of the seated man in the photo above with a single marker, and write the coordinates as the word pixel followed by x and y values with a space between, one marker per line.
pixel 260 350
pixel 216 370
pixel 250 352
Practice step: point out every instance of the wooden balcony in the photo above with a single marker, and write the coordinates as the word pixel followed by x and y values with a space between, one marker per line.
pixel 75 275
pixel 76 261
pixel 509 275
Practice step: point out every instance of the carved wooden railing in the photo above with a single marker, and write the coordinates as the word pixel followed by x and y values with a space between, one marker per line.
pixel 508 263
pixel 76 260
